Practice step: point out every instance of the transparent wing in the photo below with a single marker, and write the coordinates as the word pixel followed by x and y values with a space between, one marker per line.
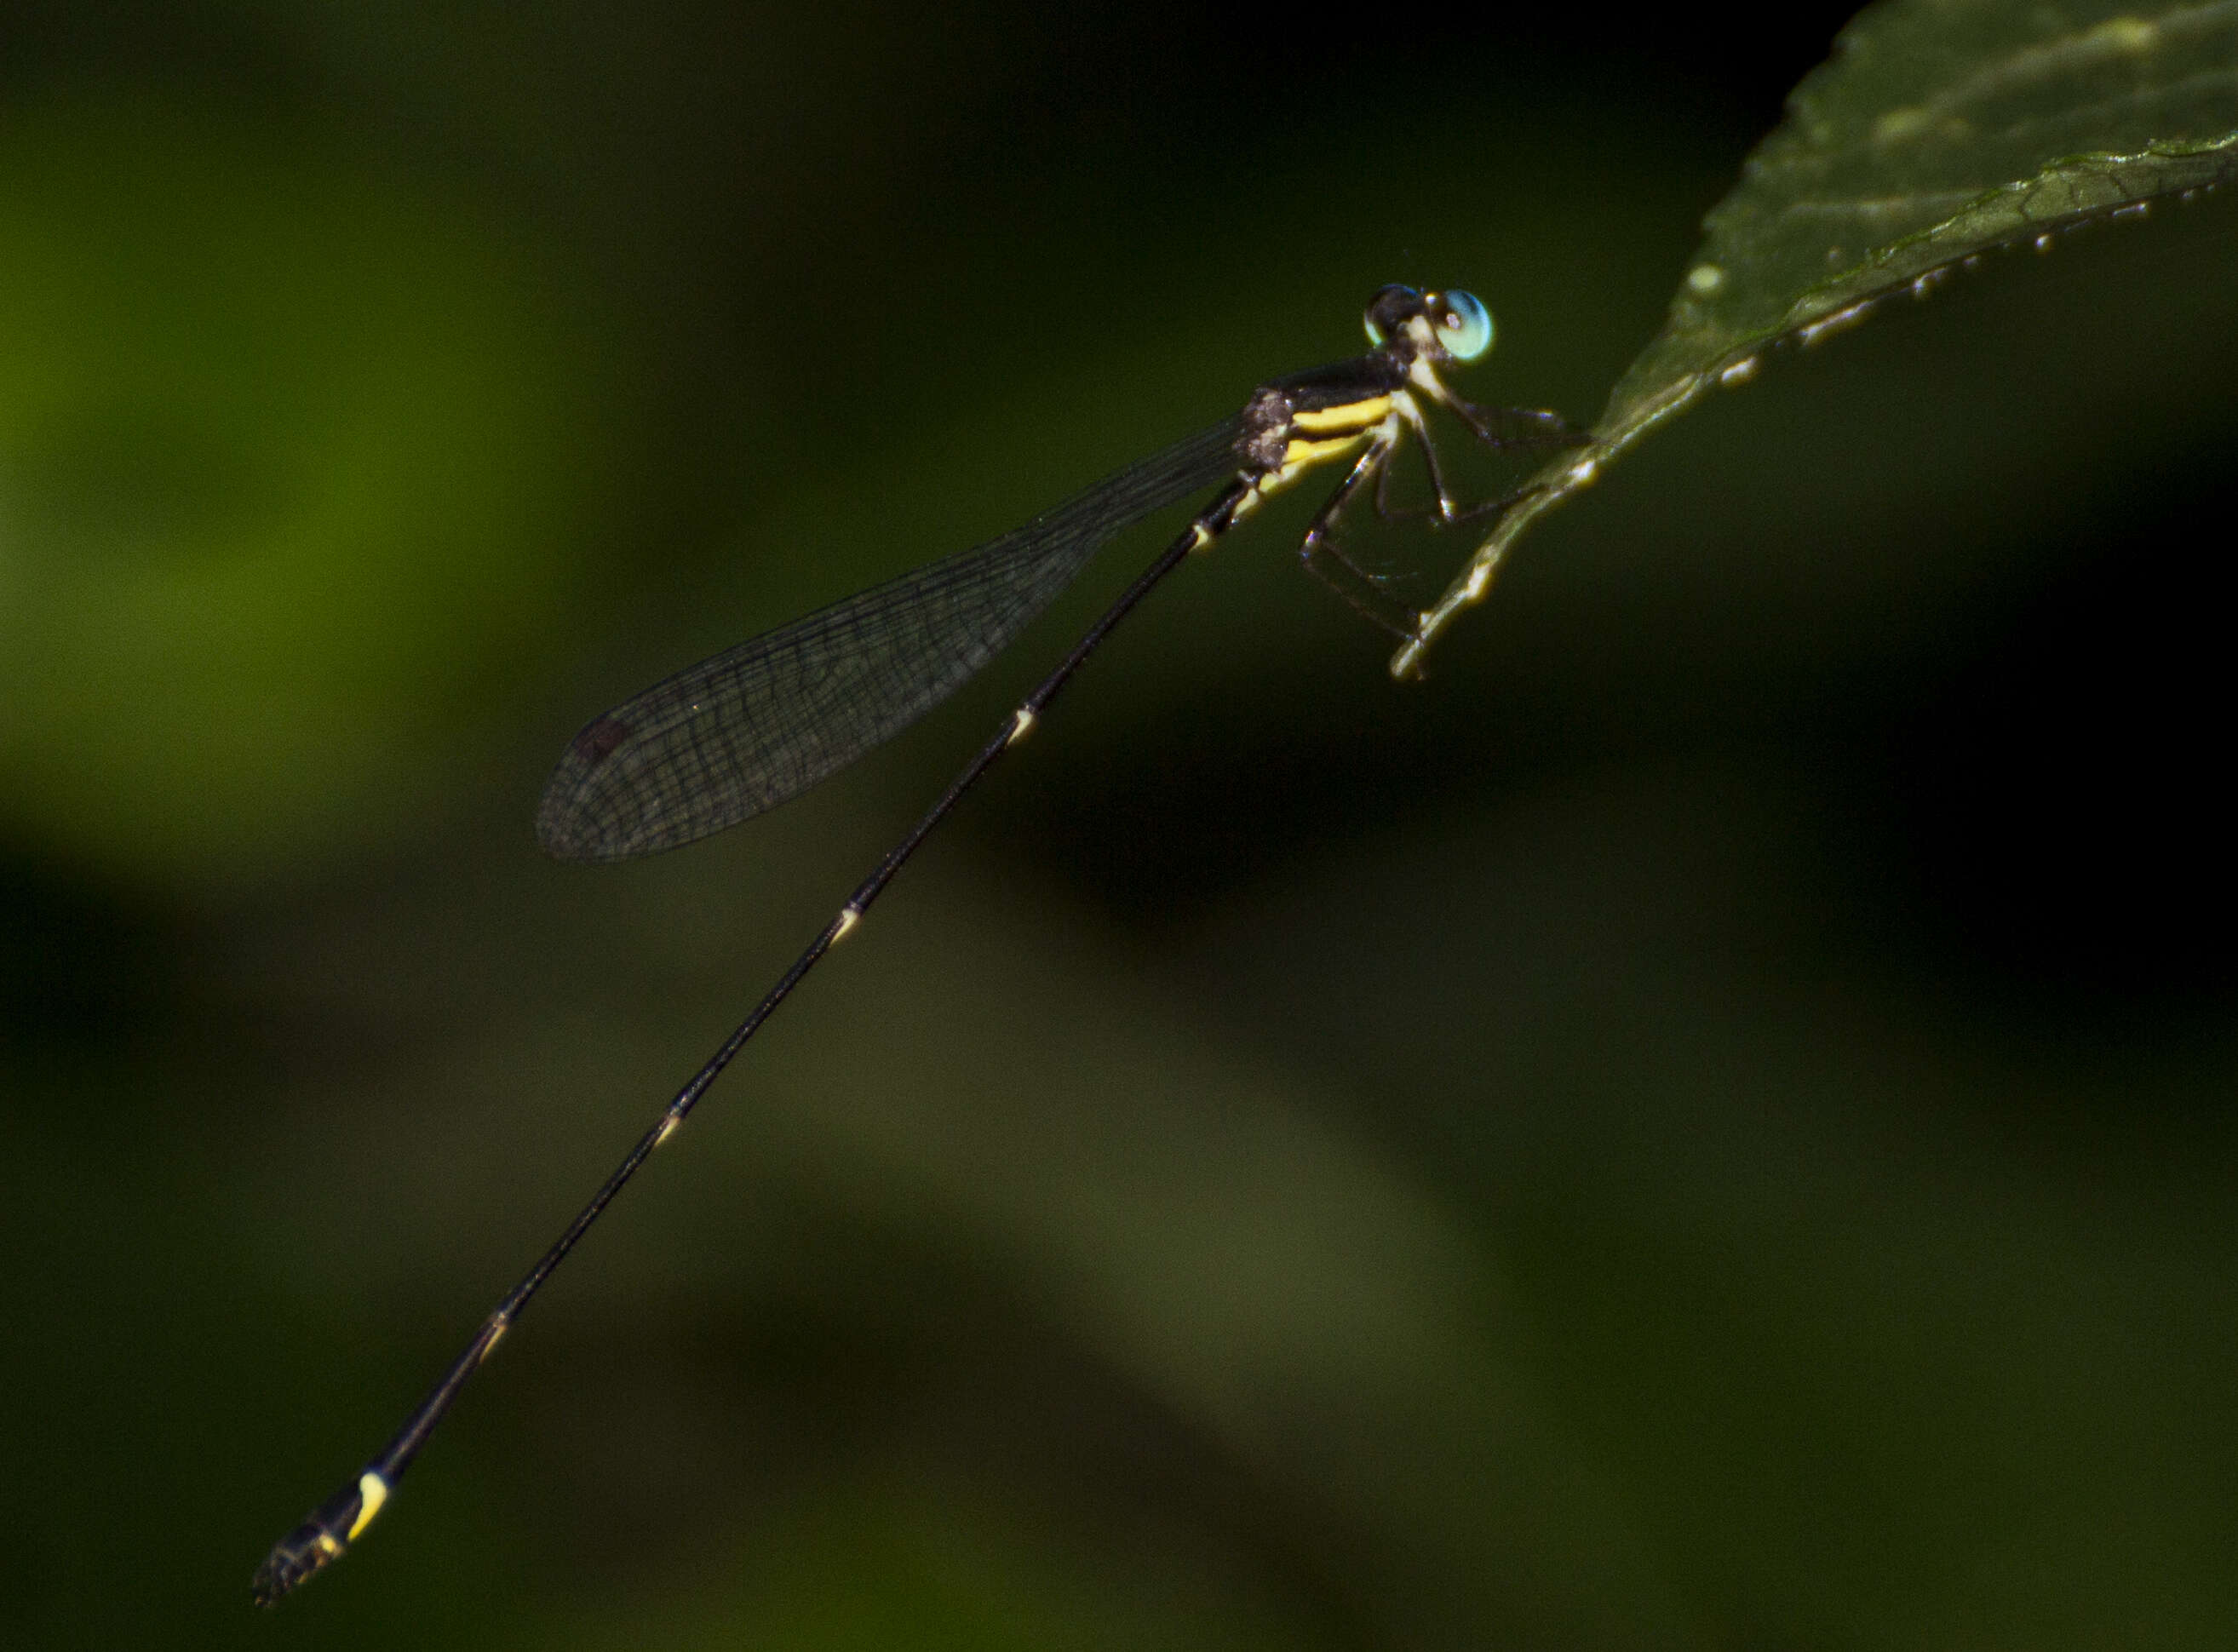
pixel 735 735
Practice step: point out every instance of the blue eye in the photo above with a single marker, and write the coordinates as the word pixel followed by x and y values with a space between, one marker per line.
pixel 1464 325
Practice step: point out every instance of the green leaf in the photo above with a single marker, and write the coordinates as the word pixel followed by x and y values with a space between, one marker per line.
pixel 1938 130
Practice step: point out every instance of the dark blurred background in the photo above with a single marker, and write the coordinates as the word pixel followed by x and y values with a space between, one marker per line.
pixel 1707 1124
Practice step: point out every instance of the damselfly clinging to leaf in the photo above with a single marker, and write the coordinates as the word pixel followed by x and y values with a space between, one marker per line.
pixel 742 732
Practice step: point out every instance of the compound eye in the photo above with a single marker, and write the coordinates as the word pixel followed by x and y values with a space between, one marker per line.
pixel 1463 324
pixel 1389 310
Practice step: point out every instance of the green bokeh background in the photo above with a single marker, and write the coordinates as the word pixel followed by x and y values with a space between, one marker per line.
pixel 1707 1124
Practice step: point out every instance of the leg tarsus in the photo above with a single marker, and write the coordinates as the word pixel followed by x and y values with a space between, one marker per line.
pixel 1524 426
pixel 1364 591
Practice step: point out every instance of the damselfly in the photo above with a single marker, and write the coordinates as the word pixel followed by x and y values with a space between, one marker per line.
pixel 742 732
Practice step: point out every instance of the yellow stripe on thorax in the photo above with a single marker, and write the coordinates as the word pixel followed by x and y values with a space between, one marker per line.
pixel 1351 418
pixel 1320 434
pixel 1303 455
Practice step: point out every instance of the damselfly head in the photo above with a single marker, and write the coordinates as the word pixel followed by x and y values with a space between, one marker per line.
pixel 1452 326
